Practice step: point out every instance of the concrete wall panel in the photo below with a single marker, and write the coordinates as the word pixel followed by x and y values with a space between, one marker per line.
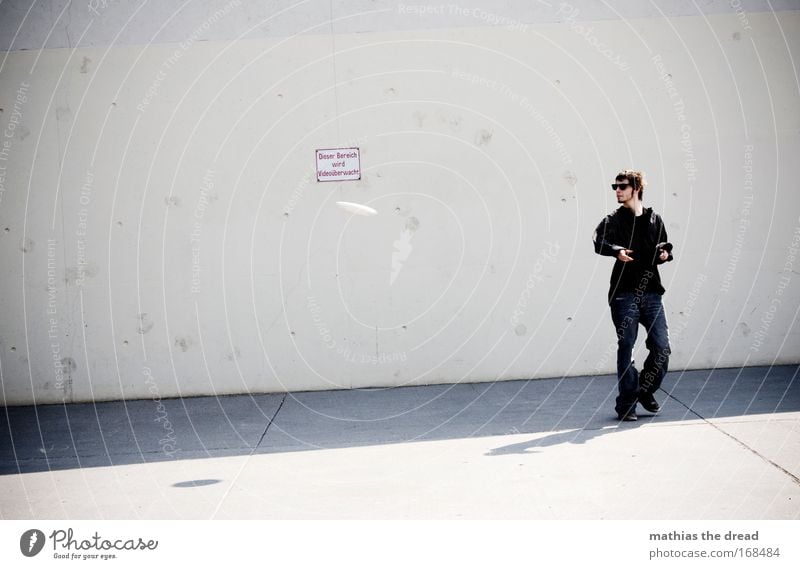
pixel 163 233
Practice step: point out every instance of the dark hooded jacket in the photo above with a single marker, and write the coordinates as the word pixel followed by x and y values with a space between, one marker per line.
pixel 621 230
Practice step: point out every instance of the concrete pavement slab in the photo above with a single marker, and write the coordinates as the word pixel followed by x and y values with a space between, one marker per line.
pixel 178 489
pixel 318 420
pixel 737 392
pixel 725 445
pixel 89 435
pixel 775 437
pixel 672 471
pixel 694 472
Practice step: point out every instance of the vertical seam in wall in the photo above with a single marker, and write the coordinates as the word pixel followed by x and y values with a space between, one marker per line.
pixel 66 317
pixel 67 24
pixel 335 74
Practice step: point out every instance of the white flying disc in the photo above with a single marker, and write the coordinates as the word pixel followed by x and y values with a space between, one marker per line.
pixel 357 208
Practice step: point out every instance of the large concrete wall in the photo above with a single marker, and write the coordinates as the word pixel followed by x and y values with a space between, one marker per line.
pixel 162 231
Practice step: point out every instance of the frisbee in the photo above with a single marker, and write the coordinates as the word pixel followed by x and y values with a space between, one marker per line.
pixel 357 208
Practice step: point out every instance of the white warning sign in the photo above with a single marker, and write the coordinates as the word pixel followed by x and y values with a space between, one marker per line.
pixel 337 164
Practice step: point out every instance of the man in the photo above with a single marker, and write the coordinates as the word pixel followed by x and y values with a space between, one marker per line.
pixel 636 237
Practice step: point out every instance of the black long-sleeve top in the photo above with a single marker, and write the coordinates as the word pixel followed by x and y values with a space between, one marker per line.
pixel 646 236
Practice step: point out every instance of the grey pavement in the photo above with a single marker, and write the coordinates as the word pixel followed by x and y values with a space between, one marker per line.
pixel 726 445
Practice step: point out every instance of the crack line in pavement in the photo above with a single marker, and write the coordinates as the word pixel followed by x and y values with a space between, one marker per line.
pixel 269 424
pixel 252 451
pixel 727 434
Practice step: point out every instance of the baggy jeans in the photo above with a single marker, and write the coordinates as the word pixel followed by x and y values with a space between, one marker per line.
pixel 628 310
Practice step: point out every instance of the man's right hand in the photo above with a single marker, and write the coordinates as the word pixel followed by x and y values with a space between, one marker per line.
pixel 624 255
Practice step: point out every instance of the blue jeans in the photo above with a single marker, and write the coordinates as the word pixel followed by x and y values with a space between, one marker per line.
pixel 628 310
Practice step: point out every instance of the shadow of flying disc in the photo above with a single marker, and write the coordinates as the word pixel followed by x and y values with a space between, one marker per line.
pixel 194 483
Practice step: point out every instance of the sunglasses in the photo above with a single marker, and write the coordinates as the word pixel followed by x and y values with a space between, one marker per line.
pixel 616 187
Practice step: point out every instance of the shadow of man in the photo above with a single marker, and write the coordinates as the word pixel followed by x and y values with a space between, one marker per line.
pixel 573 436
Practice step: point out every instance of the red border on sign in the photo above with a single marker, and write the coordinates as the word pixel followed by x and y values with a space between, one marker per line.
pixel 316 162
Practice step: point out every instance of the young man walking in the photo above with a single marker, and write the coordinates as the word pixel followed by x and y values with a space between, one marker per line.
pixel 636 237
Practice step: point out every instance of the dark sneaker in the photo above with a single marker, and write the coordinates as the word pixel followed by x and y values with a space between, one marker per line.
pixel 630 416
pixel 649 402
